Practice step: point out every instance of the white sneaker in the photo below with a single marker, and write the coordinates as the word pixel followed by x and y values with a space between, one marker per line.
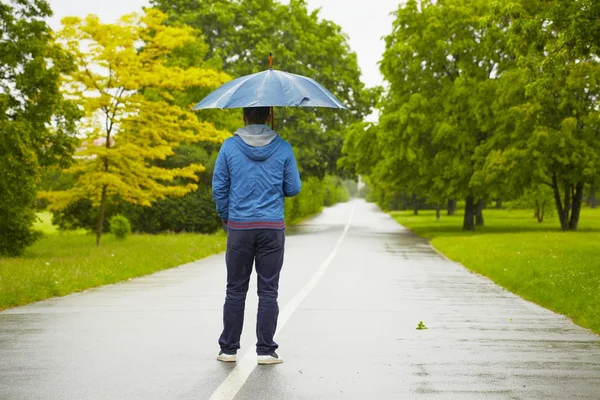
pixel 227 357
pixel 270 359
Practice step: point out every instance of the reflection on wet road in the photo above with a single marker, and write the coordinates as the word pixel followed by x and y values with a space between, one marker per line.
pixel 352 337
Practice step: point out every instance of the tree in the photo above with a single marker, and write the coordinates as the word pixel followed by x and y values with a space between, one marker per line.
pixel 36 123
pixel 539 198
pixel 441 61
pixel 124 83
pixel 553 136
pixel 242 33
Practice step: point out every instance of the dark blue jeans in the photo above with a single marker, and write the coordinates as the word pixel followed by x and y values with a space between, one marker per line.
pixel 264 248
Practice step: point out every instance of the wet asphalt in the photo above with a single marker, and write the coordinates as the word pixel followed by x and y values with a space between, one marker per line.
pixel 353 336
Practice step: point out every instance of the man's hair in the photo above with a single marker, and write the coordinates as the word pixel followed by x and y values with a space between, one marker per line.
pixel 257 115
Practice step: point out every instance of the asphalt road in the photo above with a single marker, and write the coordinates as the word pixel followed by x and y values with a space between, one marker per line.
pixel 354 287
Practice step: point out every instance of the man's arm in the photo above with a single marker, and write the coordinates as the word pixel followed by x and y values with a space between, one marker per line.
pixel 291 178
pixel 220 185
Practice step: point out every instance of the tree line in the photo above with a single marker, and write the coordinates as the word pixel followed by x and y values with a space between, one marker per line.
pixel 95 118
pixel 487 100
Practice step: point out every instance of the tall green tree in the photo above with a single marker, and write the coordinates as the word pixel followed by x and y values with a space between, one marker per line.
pixel 242 33
pixel 553 134
pixel 442 61
pixel 36 123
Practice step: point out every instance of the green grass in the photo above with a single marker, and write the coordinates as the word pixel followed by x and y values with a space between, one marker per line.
pixel 61 264
pixel 45 223
pixel 557 270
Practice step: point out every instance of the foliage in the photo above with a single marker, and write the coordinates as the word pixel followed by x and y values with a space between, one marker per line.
pixel 553 107
pixel 131 119
pixel 335 191
pixel 485 101
pixel 557 270
pixel 194 212
pixel 539 199
pixel 36 123
pixel 62 264
pixel 242 33
pixel 81 214
pixel 314 195
pixel 440 61
pixel 120 226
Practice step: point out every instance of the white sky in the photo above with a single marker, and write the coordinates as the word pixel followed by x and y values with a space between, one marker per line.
pixel 364 21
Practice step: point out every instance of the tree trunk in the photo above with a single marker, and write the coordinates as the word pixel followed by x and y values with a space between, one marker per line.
pixel 592 199
pixel 498 203
pixel 469 220
pixel 576 211
pixel 539 211
pixel 415 204
pixel 437 212
pixel 479 213
pixel 451 207
pixel 101 216
pixel 563 211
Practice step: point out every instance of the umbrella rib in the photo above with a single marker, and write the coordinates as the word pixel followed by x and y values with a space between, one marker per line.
pixel 279 76
pixel 242 80
pixel 325 91
pixel 240 85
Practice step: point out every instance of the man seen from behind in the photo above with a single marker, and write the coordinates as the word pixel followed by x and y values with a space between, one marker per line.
pixel 255 171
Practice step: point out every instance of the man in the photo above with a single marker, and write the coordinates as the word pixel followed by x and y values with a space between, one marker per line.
pixel 255 170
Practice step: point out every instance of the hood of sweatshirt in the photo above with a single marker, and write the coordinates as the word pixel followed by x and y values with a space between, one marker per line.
pixel 257 142
pixel 256 135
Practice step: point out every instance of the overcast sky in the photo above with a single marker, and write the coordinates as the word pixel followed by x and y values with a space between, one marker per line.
pixel 364 21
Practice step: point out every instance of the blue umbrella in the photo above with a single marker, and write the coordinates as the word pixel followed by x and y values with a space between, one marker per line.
pixel 271 88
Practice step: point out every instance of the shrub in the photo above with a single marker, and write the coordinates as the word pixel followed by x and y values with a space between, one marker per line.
pixel 16 233
pixel 315 195
pixel 120 226
pixel 194 212
pixel 538 198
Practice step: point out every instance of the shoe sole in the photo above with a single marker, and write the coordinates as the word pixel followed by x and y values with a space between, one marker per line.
pixel 228 359
pixel 269 362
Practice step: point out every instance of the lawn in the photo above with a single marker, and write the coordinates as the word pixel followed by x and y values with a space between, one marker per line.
pixel 61 264
pixel 557 270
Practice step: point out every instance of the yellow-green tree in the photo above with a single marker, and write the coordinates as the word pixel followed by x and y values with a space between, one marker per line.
pixel 124 85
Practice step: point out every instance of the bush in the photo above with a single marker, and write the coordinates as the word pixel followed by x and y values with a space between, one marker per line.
pixel 193 213
pixel 539 199
pixel 315 195
pixel 16 232
pixel 120 226
pixel 82 214
pixel 335 191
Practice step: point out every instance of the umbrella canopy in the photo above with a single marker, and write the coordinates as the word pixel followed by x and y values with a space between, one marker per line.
pixel 271 88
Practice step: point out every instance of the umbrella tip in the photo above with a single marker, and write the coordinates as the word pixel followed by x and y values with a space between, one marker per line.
pixel 271 60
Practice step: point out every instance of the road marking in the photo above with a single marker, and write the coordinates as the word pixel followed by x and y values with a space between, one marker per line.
pixel 238 376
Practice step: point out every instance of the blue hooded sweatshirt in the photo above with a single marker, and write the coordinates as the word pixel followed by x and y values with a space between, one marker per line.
pixel 255 170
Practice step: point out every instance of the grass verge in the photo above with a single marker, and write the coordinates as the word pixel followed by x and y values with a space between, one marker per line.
pixel 557 270
pixel 61 264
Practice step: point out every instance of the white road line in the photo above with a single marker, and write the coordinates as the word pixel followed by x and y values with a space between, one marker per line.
pixel 238 376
